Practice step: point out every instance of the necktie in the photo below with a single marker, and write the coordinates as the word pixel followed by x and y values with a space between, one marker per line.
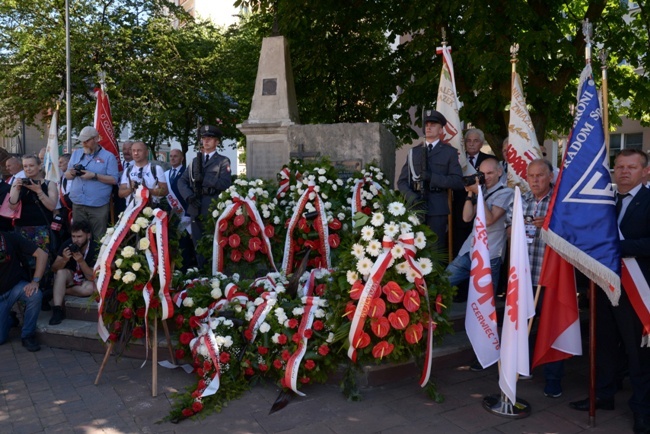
pixel 430 147
pixel 471 160
pixel 619 202
pixel 207 157
pixel 173 173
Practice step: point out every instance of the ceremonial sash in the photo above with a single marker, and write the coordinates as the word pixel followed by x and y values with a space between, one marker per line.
pixel 636 287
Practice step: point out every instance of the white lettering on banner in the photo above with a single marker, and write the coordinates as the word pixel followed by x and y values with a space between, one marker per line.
pixel 586 190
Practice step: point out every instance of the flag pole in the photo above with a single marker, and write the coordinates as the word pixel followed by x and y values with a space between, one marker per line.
pixel 605 92
pixel 68 87
pixel 450 220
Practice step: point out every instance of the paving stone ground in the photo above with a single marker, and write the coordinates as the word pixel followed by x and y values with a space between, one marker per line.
pixel 52 391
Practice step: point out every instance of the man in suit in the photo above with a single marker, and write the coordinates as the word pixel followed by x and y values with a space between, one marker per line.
pixel 431 169
pixel 200 185
pixel 14 166
pixel 179 206
pixel 619 327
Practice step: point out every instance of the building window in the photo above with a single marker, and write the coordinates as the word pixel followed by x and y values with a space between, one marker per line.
pixel 617 142
pixel 634 141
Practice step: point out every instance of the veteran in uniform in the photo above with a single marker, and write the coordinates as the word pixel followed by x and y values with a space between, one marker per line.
pixel 207 176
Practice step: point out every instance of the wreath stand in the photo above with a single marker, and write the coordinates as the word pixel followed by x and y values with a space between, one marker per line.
pixel 154 354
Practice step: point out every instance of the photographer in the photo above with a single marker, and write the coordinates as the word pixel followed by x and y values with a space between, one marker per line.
pixel 142 172
pixel 73 268
pixel 498 200
pixel 93 171
pixel 37 199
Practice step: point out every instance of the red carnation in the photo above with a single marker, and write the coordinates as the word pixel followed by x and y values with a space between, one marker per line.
pixel 377 308
pixel 334 241
pixel 282 339
pixel 366 210
pixel 138 332
pixel 335 224
pixel 269 231
pixel 207 366
pixel 122 297
pixel 249 256
pixel 113 337
pixel 234 240
pixel 127 313
pixel 179 354
pixel 277 364
pixel 239 220
pixel 197 406
pixel 235 255
pixel 117 326
pixel 138 287
pixel 355 291
pixel 296 338
pixel 180 319
pixel 186 338
pixel 293 323
pixel 253 229
pixel 249 372
pixel 413 333
pixel 262 350
pixel 305 380
pixel 262 367
pixel 320 290
pixel 285 355
pixel 380 326
pixel 154 303
pixel 201 384
pixel 350 308
pixel 248 334
pixel 223 225
pixel 412 300
pixel 187 412
pixel 196 394
pixel 399 319
pixel 393 292
pixel 140 312
pixel 323 350
pixel 224 357
pixel 310 364
pixel 199 372
pixel 308 333
pixel 318 325
pixel 361 340
pixel 254 244
pixel 382 349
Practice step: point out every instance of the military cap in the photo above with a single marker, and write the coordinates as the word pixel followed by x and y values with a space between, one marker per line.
pixel 211 131
pixel 434 116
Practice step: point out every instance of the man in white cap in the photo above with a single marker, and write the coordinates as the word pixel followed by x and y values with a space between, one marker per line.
pixel 93 171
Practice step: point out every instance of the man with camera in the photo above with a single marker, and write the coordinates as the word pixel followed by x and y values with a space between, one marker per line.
pixel 431 169
pixel 142 172
pixel 498 201
pixel 93 171
pixel 73 269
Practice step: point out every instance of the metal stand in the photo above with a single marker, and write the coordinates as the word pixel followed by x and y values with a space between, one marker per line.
pixel 500 405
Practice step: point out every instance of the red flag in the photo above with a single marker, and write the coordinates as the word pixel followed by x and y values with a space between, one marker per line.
pixel 104 125
pixel 558 334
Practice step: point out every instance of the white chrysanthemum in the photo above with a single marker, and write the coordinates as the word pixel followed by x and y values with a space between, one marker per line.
pixel 216 213
pixel 228 342
pixel 248 316
pixel 265 327
pixel 297 311
pixel 373 248
pixel 117 275
pixel 280 288
pixel 188 302
pixel 330 338
pixel 367 233
pixel 414 219
pixel 377 219
pixel 148 211
pixel 396 208
pixel 352 276
pixel 322 179
pixel 235 277
pixel 376 205
pixel 391 229
pixel 425 265
pixel 136 266
pixel 142 222
pixel 118 262
pixel 364 266
pixel 128 277
pixel 402 268
pixel 135 228
pixel 276 220
pixel 322 171
pixel 334 187
pixel 320 313
pixel 216 293
pixel 199 311
pixel 128 252
pixel 238 308
pixel 405 228
pixel 339 181
pixel 397 251
pixel 275 338
pixel 143 244
pixel 357 251
pixel 420 240
pixel 228 323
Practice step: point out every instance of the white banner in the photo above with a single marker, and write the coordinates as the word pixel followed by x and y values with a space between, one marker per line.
pixel 51 163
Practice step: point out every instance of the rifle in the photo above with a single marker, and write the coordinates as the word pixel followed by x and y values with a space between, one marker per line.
pixel 197 171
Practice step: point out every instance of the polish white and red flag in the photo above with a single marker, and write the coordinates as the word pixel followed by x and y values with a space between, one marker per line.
pixel 481 315
pixel 448 104
pixel 104 125
pixel 520 307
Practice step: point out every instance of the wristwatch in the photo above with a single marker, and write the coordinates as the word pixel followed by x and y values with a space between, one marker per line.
pixel 36 279
pixel 95 177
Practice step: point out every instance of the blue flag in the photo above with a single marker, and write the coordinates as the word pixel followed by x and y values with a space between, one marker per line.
pixel 581 224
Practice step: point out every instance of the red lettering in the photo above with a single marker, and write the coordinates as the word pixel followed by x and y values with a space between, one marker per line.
pixel 482 271
pixel 512 299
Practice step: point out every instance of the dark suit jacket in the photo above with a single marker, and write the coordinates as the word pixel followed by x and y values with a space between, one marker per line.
pixel 216 176
pixel 442 173
pixel 635 227
pixel 173 185
pixel 480 157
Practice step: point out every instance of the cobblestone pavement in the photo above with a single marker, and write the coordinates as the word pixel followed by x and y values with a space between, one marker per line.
pixel 53 391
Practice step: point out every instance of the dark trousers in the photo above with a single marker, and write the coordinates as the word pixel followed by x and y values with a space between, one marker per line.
pixel 438 224
pixel 619 329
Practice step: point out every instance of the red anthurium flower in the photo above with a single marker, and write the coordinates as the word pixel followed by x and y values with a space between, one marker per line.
pixel 223 225
pixel 235 255
pixel 234 240
pixel 122 297
pixel 334 241
pixel 127 313
pixel 380 326
pixel 254 244
pixel 323 350
pixel 399 319
pixel 138 332
pixel 263 249
pixel 253 229
pixel 377 308
pixel 239 220
pixel 318 325
pixel 303 225
pixel 249 255
pixel 439 305
pixel 197 406
pixel 413 333
pixel 312 244
pixel 382 349
pixel 355 291
pixel 223 241
pixel 412 300
pixel 350 308
pixel 393 291
pixel 335 224
pixel 186 338
pixel 317 262
pixel 269 231
pixel 362 340
pixel 310 364
pixel 195 322
pixel 224 357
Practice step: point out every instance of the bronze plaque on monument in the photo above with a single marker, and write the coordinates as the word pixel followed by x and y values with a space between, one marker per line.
pixel 269 86
pixel 347 168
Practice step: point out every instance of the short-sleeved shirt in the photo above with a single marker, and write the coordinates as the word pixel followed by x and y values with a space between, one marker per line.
pixel 144 175
pixel 90 256
pixel 90 192
pixel 501 196
pixel 13 248
pixel 535 208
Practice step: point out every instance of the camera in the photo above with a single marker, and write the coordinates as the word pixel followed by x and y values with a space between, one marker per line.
pixel 471 179
pixel 74 248
pixel 78 169
pixel 29 181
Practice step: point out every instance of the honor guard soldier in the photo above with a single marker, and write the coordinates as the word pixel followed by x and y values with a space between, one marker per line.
pixel 207 176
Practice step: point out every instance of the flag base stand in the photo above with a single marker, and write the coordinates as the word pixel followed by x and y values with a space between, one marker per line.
pixel 500 405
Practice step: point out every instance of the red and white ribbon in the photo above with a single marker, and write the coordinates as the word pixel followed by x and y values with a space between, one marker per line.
pixel 636 287
pixel 261 312
pixel 231 295
pixel 357 191
pixel 250 207
pixel 320 223
pixel 109 249
pixel 207 338
pixel 293 364
pixel 284 180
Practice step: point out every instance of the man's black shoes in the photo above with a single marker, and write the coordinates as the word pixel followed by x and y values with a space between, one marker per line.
pixel 31 344
pixel 601 404
pixel 57 315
